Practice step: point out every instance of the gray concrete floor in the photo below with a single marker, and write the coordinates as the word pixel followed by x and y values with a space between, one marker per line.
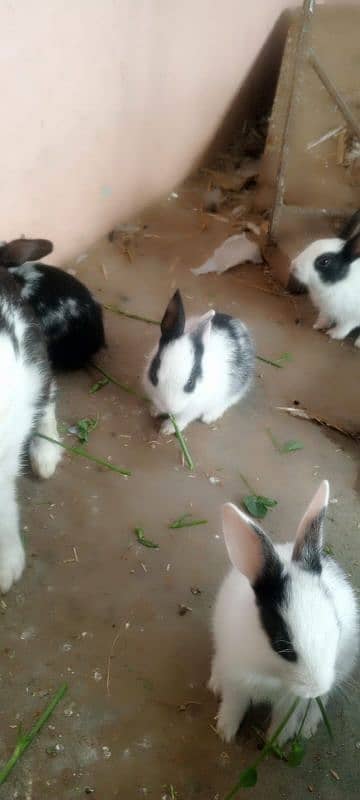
pixel 140 722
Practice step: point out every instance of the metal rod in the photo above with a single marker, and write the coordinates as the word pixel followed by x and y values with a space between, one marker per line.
pixel 333 92
pixel 308 10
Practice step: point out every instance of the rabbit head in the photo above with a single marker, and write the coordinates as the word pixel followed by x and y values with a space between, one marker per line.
pixel 174 376
pixel 295 608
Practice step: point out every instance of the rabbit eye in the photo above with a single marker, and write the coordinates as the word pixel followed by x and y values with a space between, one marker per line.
pixel 324 261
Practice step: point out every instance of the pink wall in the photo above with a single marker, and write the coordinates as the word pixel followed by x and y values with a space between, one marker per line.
pixel 107 103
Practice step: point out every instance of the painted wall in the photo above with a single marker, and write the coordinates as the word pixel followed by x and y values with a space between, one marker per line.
pixel 106 104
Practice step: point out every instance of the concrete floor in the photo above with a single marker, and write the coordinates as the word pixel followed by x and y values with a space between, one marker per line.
pixel 147 724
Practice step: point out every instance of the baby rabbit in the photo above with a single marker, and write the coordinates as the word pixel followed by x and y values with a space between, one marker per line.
pixel 27 407
pixel 330 269
pixel 70 317
pixel 285 622
pixel 200 367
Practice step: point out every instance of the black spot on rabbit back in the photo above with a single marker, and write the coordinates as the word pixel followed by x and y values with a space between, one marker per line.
pixel 68 314
pixel 71 318
pixel 196 372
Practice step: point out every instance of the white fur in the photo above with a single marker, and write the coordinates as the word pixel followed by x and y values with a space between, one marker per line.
pixel 20 392
pixel 245 667
pixel 213 393
pixel 338 303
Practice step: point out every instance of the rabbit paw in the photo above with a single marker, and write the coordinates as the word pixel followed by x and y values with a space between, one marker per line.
pixel 167 428
pixel 154 412
pixel 12 563
pixel 44 457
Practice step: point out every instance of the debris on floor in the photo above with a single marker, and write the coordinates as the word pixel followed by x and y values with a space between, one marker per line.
pixel 238 249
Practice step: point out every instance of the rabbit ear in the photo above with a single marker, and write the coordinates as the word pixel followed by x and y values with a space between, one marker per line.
pixel 17 252
pixel 351 227
pixel 173 321
pixel 250 549
pixel 202 327
pixel 309 537
pixel 351 249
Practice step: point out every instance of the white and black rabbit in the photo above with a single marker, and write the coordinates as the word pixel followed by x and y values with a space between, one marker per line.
pixel 330 269
pixel 285 622
pixel 27 407
pixel 200 367
pixel 71 319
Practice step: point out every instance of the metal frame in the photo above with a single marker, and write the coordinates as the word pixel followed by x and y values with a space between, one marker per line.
pixel 300 56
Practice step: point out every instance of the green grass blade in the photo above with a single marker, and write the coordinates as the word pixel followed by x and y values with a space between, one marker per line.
pixel 115 381
pixel 26 739
pixel 139 533
pixel 186 522
pixel 121 313
pixel 182 443
pixel 325 717
pixel 269 361
pixel 78 451
pixel 251 772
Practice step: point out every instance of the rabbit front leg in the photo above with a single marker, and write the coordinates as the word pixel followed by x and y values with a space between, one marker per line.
pixel 182 421
pixel 235 701
pixel 341 329
pixel 45 455
pixel 323 322
pixel 313 717
pixel 12 556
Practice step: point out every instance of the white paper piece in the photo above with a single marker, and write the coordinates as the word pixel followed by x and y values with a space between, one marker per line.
pixel 235 250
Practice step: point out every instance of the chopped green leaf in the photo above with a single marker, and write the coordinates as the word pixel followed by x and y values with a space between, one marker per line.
pixel 84 427
pixel 328 550
pixel 291 446
pixel 99 385
pixel 285 357
pixel 257 505
pixel 297 752
pixel 288 447
pixel 248 778
pixel 139 533
pixel 186 522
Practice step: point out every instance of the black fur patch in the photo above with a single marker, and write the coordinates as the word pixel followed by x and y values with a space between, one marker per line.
pixel 72 337
pixel 332 267
pixel 271 593
pixel 351 227
pixel 196 371
pixel 155 366
pixel 307 552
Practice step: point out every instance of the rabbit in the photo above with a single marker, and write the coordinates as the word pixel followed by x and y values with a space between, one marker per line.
pixel 71 319
pixel 27 407
pixel 200 367
pixel 285 623
pixel 330 269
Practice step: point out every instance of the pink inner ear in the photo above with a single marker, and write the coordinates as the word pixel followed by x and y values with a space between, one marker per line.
pixel 316 506
pixel 201 324
pixel 242 543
